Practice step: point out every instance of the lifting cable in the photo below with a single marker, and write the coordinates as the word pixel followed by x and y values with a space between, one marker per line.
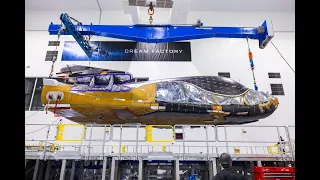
pixel 47 106
pixel 54 58
pixel 283 57
pixel 252 66
pixel 150 12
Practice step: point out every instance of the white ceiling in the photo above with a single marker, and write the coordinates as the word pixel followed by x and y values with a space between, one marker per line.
pixel 111 5
pixel 195 5
pixel 61 5
pixel 242 5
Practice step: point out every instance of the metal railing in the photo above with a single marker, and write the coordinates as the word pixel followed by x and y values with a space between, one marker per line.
pixel 101 140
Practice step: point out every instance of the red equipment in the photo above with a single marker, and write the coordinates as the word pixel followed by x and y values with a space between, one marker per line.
pixel 274 173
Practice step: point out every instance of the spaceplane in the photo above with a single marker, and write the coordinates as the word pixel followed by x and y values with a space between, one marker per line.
pixel 104 96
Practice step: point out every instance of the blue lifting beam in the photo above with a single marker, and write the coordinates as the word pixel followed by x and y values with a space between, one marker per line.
pixel 159 33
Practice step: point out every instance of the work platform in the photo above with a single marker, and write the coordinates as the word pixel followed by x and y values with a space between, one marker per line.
pixel 112 145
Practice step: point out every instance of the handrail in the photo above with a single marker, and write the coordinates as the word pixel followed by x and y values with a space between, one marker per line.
pixel 88 145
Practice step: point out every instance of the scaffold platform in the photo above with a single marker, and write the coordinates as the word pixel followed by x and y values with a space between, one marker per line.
pixel 112 144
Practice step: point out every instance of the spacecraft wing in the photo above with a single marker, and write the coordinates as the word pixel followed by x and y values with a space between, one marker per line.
pixel 79 70
pixel 64 110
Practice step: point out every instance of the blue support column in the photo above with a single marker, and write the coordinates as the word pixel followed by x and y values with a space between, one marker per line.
pixel 73 30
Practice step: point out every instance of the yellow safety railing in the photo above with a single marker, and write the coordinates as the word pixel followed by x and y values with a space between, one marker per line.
pixel 149 129
pixel 164 148
pixel 277 150
pixel 271 149
pixel 60 132
pixel 236 151
pixel 52 146
pixel 123 148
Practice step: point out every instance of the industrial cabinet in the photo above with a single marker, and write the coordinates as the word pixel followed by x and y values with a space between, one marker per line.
pixel 274 173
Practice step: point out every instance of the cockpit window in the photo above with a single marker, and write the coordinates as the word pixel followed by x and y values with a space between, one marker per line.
pixel 104 83
pixel 122 78
pixel 255 97
pixel 226 100
pixel 102 80
pixel 92 82
pixel 83 79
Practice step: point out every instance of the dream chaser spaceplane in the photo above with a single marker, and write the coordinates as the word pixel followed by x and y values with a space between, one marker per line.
pixel 95 95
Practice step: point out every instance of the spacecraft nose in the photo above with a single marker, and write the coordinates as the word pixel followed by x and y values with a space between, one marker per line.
pixel 276 102
pixel 258 97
